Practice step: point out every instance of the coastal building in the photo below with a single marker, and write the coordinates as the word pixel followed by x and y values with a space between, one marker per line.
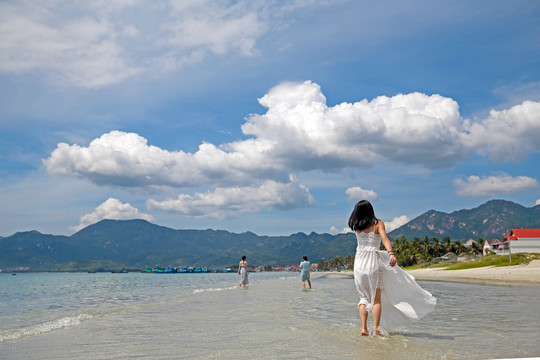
pixel 463 257
pixel 469 243
pixel 448 256
pixel 499 247
pixel 523 240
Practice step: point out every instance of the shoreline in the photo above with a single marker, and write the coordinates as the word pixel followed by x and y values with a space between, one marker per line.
pixel 503 275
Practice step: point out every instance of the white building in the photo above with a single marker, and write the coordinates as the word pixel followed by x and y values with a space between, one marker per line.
pixel 499 247
pixel 524 240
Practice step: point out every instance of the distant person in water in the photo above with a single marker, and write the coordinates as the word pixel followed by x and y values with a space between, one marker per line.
pixel 243 271
pixel 305 275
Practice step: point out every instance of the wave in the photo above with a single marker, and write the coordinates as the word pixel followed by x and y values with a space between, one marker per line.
pixel 68 321
pixel 197 291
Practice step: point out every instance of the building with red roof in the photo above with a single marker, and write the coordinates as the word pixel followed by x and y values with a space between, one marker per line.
pixel 524 240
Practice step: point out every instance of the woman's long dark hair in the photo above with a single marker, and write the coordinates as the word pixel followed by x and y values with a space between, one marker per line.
pixel 362 216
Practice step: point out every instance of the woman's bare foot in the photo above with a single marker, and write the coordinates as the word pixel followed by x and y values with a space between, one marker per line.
pixel 365 332
pixel 376 332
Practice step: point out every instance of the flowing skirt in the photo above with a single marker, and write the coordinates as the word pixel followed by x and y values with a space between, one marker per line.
pixel 402 300
pixel 244 275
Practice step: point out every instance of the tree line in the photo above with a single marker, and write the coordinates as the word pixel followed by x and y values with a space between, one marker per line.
pixel 410 253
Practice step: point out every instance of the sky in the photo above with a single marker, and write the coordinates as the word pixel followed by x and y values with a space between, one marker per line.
pixel 273 117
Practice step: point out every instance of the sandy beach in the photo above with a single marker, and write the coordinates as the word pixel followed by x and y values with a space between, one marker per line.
pixel 518 274
pixel 507 275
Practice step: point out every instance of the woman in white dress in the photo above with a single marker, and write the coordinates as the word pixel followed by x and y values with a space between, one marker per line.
pixel 243 271
pixel 379 281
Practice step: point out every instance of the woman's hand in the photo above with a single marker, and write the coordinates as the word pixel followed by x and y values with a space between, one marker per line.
pixel 393 260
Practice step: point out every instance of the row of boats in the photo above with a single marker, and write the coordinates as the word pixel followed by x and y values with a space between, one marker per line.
pixel 186 270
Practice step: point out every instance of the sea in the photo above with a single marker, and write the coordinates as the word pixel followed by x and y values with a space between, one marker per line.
pixel 91 316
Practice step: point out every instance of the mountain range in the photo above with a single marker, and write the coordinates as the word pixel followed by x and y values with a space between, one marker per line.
pixel 138 243
pixel 491 220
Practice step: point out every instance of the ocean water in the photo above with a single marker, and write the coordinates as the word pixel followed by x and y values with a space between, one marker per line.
pixel 207 316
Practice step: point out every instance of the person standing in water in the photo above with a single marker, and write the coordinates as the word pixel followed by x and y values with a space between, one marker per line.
pixel 243 271
pixel 380 282
pixel 305 274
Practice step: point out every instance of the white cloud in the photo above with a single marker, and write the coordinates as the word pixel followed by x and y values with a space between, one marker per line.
pixel 299 132
pixel 98 43
pixel 396 222
pixel 492 185
pixel 84 52
pixel 389 226
pixel 405 128
pixel 217 28
pixel 509 134
pixel 126 159
pixel 111 209
pixel 357 193
pixel 224 203
pixel 334 230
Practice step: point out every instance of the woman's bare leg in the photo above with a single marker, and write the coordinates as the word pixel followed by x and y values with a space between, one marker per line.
pixel 376 312
pixel 363 318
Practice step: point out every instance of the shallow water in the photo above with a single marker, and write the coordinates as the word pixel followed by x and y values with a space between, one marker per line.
pixel 206 316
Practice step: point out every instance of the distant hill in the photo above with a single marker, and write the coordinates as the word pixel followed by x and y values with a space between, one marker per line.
pixel 489 221
pixel 138 243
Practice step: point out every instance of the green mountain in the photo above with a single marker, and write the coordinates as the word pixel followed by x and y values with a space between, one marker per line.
pixel 138 243
pixel 491 220
pixel 112 244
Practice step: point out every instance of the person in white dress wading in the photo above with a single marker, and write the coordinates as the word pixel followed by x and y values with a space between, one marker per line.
pixel 380 282
pixel 243 271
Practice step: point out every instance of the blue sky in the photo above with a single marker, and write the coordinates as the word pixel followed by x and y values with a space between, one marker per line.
pixel 267 116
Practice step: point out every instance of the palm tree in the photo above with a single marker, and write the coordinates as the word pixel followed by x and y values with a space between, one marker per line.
pixel 477 247
pixel 447 244
pixel 458 247
pixel 426 249
pixel 436 247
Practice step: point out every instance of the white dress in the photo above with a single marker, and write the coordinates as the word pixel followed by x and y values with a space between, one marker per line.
pixel 402 299
pixel 244 274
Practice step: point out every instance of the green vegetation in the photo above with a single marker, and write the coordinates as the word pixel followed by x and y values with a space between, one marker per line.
pixel 493 260
pixel 429 249
pixel 423 252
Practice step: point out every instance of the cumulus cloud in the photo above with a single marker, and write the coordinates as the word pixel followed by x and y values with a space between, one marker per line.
pixel 229 202
pixel 126 159
pixel 509 134
pixel 492 185
pixel 396 222
pixel 404 128
pixel 111 209
pixel 357 193
pixel 300 132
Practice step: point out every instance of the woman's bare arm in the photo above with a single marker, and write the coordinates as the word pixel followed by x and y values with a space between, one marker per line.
pixel 386 242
